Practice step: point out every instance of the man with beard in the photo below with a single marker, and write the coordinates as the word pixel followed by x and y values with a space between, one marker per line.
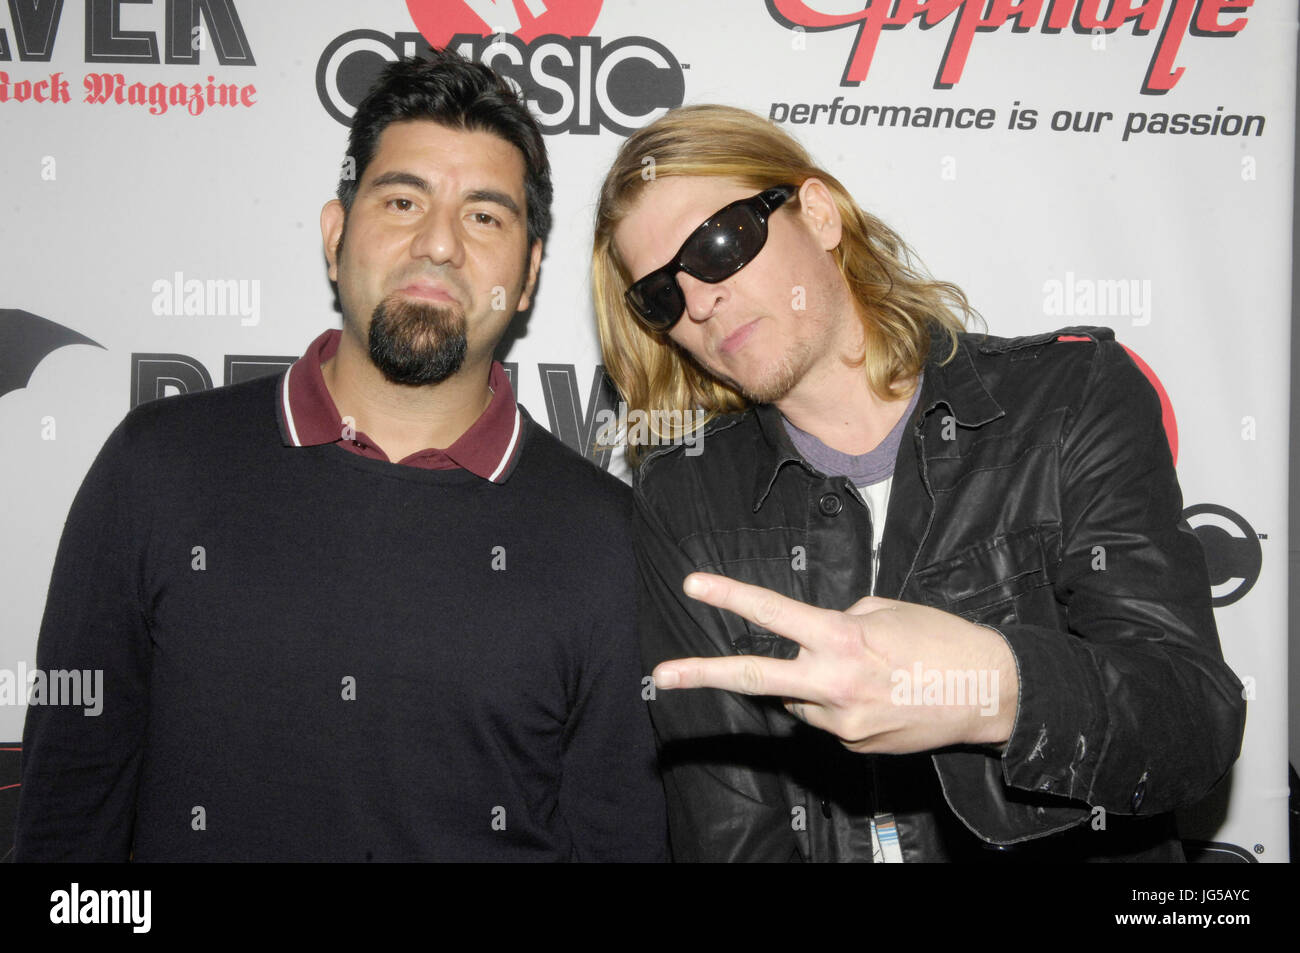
pixel 347 613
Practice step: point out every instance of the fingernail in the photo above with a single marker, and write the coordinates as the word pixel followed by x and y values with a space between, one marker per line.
pixel 668 678
pixel 695 586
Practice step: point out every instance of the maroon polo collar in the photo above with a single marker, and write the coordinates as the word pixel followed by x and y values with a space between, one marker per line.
pixel 309 418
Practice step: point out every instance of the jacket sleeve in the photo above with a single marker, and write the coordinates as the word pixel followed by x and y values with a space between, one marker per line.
pixel 725 797
pixel 1132 709
pixel 81 763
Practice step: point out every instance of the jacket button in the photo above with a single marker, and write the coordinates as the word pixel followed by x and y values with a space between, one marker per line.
pixel 830 504
pixel 826 808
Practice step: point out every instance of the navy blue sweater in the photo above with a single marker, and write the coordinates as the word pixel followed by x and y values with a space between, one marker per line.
pixel 309 655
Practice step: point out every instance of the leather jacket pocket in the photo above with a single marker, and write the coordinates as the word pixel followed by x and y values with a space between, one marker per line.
pixel 772 557
pixel 984 583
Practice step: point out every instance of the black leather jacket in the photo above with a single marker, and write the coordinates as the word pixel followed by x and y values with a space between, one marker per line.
pixel 1033 492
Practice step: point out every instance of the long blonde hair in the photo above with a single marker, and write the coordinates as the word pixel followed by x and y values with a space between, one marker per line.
pixel 897 301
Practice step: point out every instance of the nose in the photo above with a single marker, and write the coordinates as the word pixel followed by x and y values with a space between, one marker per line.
pixel 438 239
pixel 702 298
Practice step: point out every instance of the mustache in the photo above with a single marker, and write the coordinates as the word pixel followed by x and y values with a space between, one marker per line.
pixel 422 273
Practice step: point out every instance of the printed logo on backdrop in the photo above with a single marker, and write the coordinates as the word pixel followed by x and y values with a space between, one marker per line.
pixel 573 81
pixel 1176 20
pixel 877 23
pixel 181 33
pixel 1232 551
pixel 26 339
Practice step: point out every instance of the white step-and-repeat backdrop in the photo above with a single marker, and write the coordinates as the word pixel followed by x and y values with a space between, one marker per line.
pixel 1117 162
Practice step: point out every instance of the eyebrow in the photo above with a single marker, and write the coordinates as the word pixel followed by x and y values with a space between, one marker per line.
pixel 401 178
pixel 495 197
pixel 417 182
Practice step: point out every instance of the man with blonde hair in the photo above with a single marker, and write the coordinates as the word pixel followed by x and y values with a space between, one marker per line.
pixel 951 610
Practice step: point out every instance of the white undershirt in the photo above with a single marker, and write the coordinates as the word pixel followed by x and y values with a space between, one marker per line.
pixel 876 497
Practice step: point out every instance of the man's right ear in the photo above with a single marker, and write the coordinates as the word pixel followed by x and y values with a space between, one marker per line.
pixel 332 217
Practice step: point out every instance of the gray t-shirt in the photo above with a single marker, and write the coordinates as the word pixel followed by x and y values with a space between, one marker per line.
pixel 871 472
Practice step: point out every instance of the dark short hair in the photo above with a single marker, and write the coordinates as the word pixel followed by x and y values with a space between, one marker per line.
pixel 446 88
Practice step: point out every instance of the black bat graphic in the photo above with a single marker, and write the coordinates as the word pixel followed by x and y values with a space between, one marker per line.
pixel 27 339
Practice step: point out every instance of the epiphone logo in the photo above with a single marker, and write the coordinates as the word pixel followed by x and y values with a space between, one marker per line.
pixel 1176 19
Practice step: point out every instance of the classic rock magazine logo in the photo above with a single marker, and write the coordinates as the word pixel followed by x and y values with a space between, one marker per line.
pixel 1175 19
pixel 188 33
pixel 573 82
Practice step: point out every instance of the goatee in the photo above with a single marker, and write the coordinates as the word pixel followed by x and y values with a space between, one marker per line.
pixel 779 379
pixel 417 342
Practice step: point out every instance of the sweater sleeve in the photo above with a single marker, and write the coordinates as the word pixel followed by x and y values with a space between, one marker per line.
pixel 81 762
pixel 611 795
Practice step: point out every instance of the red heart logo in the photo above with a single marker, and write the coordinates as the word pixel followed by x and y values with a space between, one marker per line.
pixel 439 20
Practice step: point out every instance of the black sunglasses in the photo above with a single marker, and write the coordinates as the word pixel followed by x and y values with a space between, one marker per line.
pixel 727 241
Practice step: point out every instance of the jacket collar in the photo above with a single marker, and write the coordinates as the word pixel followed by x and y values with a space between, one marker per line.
pixel 774 451
pixel 955 385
